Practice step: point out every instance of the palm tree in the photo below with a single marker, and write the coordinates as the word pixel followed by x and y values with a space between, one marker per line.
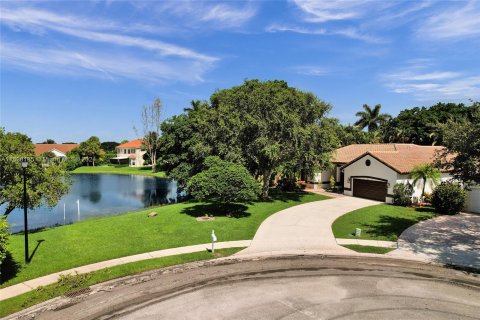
pixel 195 105
pixel 424 172
pixel 371 118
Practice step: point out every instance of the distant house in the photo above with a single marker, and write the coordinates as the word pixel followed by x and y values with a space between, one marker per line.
pixel 130 153
pixel 371 170
pixel 59 150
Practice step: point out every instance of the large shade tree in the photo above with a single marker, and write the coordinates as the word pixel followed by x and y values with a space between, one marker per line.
pixel 262 125
pixel 46 182
pixel 462 147
pixel 370 118
pixel 89 150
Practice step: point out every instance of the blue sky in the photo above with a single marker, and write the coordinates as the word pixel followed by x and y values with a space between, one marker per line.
pixel 72 69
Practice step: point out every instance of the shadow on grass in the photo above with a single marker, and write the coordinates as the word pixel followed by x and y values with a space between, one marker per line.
pixel 276 195
pixel 32 231
pixel 9 268
pixel 35 250
pixel 392 227
pixel 233 210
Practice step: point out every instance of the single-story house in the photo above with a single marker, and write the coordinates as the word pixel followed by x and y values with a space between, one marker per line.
pixel 130 153
pixel 60 150
pixel 371 170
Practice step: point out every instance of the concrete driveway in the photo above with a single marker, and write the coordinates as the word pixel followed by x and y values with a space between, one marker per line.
pixel 453 240
pixel 304 228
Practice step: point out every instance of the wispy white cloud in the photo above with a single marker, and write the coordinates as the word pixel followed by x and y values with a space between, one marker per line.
pixel 32 19
pixel 351 32
pixel 294 29
pixel 228 15
pixel 453 23
pixel 218 15
pixel 100 65
pixel 157 62
pixel 426 84
pixel 310 70
pixel 323 11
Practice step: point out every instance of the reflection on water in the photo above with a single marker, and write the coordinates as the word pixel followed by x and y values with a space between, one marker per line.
pixel 99 195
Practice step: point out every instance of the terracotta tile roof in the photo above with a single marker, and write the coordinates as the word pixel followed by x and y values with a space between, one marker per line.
pixel 346 154
pixel 42 148
pixel 132 144
pixel 400 157
pixel 132 156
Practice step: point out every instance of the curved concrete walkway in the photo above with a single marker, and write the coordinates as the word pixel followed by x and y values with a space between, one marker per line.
pixel 30 285
pixel 304 228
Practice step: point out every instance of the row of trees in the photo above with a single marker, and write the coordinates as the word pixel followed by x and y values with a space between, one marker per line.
pixel 421 126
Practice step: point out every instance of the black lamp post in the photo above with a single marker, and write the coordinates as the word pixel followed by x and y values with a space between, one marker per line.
pixel 24 168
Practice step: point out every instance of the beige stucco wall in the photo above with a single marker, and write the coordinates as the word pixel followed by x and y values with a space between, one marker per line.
pixel 323 177
pixel 429 187
pixel 473 200
pixel 138 153
pixel 375 170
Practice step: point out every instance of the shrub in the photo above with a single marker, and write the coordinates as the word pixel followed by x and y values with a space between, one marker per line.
pixel 72 161
pixel 224 182
pixel 449 198
pixel 402 194
pixel 288 184
pixel 427 197
pixel 3 239
pixel 332 182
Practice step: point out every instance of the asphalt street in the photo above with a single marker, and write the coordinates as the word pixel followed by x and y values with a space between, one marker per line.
pixel 295 287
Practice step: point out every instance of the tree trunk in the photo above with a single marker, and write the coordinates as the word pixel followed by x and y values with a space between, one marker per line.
pixel 8 210
pixel 266 183
pixel 154 162
pixel 423 188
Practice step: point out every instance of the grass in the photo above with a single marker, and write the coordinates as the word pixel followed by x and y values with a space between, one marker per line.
pixel 368 249
pixel 105 238
pixel 73 283
pixel 379 222
pixel 144 171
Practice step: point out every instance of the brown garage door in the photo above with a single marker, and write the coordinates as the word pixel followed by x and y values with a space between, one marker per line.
pixel 375 190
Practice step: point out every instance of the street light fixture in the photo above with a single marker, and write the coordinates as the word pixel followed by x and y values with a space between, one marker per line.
pixel 24 168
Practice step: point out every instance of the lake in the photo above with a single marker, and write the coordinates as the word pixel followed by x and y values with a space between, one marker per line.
pixel 99 195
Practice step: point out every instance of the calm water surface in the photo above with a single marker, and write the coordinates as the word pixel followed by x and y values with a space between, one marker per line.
pixel 99 195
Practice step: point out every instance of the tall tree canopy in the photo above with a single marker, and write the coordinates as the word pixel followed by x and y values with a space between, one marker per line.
pixel 370 118
pixel 48 141
pixel 422 125
pixel 462 142
pixel 89 150
pixel 46 183
pixel 265 126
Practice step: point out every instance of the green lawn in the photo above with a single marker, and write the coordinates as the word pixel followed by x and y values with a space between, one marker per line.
pixel 100 239
pixel 379 222
pixel 144 171
pixel 77 282
pixel 367 249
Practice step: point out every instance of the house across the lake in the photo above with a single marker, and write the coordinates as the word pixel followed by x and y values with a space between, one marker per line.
pixel 130 153
pixel 59 150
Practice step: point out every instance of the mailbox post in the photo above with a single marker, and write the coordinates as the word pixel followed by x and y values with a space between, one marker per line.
pixel 214 239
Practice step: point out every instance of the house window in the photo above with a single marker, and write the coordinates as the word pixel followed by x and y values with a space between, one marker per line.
pixel 368 163
pixel 125 151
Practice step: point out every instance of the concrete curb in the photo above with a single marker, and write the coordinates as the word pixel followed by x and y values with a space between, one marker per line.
pixel 20 288
pixel 373 243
